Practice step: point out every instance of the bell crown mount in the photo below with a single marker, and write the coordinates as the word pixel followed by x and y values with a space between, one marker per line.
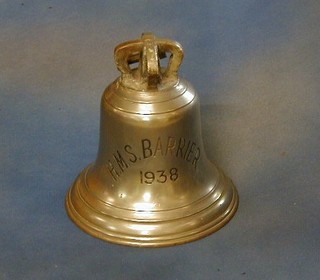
pixel 148 51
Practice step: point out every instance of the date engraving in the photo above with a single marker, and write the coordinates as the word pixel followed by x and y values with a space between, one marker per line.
pixel 159 176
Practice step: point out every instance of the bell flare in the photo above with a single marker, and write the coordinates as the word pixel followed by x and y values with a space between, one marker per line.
pixel 145 225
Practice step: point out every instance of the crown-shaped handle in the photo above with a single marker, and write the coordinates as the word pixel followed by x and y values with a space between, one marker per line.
pixel 148 51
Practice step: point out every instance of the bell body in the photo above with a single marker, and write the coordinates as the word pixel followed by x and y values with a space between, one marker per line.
pixel 151 184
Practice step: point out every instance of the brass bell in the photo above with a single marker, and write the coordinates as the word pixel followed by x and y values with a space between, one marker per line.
pixel 151 184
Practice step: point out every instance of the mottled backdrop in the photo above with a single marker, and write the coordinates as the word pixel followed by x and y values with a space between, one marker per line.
pixel 255 65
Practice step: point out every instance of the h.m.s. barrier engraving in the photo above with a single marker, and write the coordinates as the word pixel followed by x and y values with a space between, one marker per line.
pixel 126 156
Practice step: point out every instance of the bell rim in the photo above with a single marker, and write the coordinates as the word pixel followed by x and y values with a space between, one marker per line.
pixel 165 240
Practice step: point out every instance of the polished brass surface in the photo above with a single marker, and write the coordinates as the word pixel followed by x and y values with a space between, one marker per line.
pixel 151 184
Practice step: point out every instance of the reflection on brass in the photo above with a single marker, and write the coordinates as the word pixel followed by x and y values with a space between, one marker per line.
pixel 151 184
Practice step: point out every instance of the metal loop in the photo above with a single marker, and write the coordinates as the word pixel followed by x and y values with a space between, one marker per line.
pixel 148 51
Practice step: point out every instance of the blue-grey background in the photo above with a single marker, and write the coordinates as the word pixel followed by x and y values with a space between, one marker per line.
pixel 255 65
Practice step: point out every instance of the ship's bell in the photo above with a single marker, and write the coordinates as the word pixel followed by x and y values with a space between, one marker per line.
pixel 151 184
